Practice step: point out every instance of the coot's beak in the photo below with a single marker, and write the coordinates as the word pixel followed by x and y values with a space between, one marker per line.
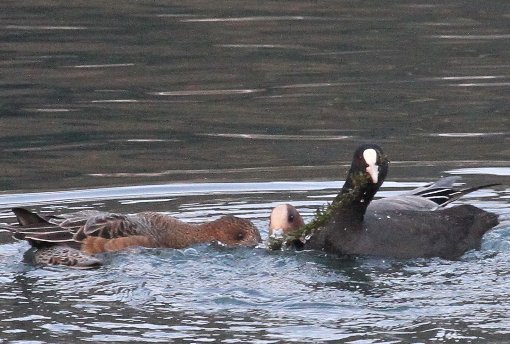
pixel 373 172
pixel 370 156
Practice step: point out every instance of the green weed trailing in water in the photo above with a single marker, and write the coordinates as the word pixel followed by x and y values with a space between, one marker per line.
pixel 323 216
pixel 300 235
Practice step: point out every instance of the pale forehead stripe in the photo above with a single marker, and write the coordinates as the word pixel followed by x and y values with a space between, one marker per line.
pixel 370 156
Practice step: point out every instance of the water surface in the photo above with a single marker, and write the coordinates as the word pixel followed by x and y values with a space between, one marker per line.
pixel 201 109
pixel 213 293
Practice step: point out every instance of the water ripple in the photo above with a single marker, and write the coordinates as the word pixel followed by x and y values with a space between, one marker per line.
pixel 261 46
pixel 111 65
pixel 473 37
pixel 207 92
pixel 482 84
pixel 44 27
pixel 161 295
pixel 466 134
pixel 243 19
pixel 279 137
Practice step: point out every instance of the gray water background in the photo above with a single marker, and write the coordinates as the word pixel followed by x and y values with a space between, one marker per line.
pixel 204 108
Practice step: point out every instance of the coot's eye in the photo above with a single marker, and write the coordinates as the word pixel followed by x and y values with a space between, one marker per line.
pixel 290 218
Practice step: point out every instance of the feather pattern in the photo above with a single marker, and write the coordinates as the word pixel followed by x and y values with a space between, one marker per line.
pixel 90 232
pixel 442 192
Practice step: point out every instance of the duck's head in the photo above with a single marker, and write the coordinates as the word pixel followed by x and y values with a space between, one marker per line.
pixel 235 231
pixel 284 218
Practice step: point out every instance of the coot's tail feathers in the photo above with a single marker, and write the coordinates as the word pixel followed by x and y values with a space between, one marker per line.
pixel 443 193
pixel 490 220
pixel 481 221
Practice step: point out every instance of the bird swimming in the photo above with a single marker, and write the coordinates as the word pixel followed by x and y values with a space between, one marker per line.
pixel 73 239
pixel 406 226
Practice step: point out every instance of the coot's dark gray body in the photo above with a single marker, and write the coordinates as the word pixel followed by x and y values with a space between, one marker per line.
pixel 446 233
pixel 406 226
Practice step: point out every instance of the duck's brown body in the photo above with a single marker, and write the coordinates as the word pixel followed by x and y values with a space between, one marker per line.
pixel 91 232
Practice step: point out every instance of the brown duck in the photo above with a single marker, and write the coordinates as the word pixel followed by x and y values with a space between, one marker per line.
pixel 73 239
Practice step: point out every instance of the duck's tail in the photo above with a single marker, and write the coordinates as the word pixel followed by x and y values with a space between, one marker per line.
pixel 53 245
pixel 26 218
pixel 38 231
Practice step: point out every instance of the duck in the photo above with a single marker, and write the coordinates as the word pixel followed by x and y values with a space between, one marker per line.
pixel 413 225
pixel 284 218
pixel 74 239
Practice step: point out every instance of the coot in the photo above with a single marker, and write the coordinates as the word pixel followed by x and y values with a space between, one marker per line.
pixel 346 228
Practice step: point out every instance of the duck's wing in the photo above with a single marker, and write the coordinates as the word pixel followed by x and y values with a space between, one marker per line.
pixel 439 192
pixel 429 197
pixel 72 239
pixel 442 192
pixel 73 228
pixel 401 202
pixel 108 226
pixel 459 193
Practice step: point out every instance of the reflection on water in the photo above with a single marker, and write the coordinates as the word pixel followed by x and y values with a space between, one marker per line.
pixel 196 109
pixel 83 88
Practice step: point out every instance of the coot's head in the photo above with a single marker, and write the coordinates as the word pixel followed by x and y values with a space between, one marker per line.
pixel 368 170
pixel 370 159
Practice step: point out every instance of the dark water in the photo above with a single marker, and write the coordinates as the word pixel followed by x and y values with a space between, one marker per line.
pixel 200 109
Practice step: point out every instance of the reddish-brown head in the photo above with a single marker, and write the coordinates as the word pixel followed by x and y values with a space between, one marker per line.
pixel 235 231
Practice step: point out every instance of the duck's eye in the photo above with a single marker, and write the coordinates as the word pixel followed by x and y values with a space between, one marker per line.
pixel 290 218
pixel 240 236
